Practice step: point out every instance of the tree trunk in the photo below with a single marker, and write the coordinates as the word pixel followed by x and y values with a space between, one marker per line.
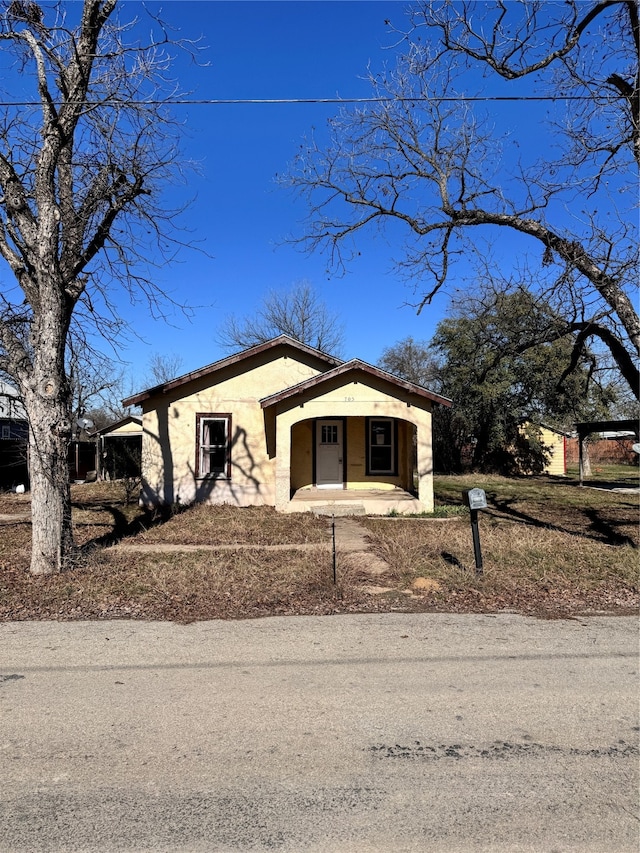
pixel 586 459
pixel 49 435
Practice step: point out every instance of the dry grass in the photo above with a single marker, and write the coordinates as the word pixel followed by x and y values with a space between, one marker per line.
pixel 549 549
pixel 229 525
pixel 528 569
pixel 180 586
pixel 599 514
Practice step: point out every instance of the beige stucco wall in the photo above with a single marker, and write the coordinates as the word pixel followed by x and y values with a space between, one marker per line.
pixel 302 455
pixel 169 433
pixel 356 399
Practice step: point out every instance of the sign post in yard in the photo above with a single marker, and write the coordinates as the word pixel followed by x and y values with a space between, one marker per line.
pixel 476 499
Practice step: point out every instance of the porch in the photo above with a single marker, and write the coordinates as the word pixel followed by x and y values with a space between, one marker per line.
pixel 354 501
pixel 353 439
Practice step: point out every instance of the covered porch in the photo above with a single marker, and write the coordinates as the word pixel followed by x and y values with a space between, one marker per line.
pixel 354 440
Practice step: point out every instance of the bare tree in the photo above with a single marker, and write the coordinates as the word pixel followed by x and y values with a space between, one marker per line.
pixel 96 387
pixel 412 360
pixel 422 161
pixel 298 312
pixel 163 367
pixel 81 175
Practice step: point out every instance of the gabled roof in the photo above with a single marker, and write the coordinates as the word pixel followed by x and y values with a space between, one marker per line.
pixel 345 367
pixel 213 368
pixel 130 419
pixel 558 431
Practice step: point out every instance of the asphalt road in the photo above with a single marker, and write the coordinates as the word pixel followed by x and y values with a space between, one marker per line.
pixel 330 735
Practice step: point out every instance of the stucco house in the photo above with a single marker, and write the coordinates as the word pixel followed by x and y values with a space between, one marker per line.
pixel 286 425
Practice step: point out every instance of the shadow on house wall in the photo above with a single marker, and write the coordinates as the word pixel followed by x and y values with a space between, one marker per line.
pixel 245 473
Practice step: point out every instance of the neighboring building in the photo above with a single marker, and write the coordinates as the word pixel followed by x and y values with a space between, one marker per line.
pixel 13 418
pixel 283 424
pixel 555 443
pixel 14 434
pixel 119 448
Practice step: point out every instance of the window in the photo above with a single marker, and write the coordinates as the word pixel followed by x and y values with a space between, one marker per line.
pixel 6 431
pixel 213 451
pixel 381 446
pixel 329 434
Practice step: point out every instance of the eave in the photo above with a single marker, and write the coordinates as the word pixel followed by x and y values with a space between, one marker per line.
pixel 354 365
pixel 223 363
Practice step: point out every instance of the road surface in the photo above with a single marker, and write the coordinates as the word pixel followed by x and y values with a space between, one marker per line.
pixel 390 733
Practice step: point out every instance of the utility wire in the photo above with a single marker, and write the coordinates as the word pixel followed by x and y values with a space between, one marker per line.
pixel 267 101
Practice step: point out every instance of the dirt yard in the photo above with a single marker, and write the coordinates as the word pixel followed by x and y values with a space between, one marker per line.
pixel 549 548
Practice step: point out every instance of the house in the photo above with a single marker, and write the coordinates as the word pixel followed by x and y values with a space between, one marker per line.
pixel 119 449
pixel 110 453
pixel 13 418
pixel 285 425
pixel 555 442
pixel 14 434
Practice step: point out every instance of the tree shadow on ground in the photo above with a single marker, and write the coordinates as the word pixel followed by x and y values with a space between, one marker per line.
pixel 451 559
pixel 629 481
pixel 598 529
pixel 124 527
pixel 607 529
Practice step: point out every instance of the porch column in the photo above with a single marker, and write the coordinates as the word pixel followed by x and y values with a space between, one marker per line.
pixel 425 462
pixel 283 464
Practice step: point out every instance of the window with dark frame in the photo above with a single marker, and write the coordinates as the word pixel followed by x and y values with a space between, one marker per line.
pixel 381 456
pixel 213 455
pixel 329 434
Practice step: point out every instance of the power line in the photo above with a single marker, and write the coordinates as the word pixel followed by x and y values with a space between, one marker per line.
pixel 269 101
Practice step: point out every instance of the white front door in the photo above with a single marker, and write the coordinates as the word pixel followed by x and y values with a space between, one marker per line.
pixel 329 454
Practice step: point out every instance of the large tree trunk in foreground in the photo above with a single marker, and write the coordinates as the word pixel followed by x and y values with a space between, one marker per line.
pixel 49 436
pixel 81 207
pixel 52 536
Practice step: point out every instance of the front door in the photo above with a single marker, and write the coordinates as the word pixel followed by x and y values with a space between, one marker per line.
pixel 329 454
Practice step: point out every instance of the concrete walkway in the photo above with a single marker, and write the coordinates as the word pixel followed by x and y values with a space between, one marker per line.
pixel 351 540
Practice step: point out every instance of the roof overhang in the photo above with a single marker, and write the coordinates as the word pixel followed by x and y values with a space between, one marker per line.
pixel 585 428
pixel 357 366
pixel 211 369
pixel 112 428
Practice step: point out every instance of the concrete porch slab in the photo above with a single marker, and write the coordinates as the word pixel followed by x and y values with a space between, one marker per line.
pixel 354 501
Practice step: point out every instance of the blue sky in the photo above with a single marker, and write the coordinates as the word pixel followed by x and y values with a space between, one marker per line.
pixel 240 216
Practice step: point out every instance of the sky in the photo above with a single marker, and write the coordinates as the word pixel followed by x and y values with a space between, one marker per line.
pixel 239 217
